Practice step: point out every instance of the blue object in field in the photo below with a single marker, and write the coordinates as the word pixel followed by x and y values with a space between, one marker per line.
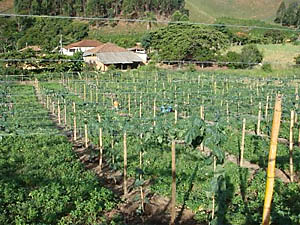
pixel 163 109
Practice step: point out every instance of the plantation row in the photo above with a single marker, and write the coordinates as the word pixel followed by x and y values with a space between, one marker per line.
pixel 213 187
pixel 206 122
pixel 41 181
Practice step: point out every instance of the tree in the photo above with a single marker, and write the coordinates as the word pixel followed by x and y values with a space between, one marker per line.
pixel 290 16
pixel 280 13
pixel 35 8
pixel 186 42
pixel 179 16
pixel 250 56
pixel 150 16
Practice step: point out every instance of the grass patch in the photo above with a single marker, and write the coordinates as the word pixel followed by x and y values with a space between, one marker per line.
pixel 207 11
pixel 279 56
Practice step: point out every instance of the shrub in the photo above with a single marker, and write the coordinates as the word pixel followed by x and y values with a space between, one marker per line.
pixel 233 59
pixel 250 56
pixel 266 67
pixel 297 58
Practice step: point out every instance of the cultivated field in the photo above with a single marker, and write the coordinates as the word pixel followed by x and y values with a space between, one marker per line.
pixel 137 123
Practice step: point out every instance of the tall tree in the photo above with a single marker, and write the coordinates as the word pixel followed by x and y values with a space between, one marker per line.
pixel 290 16
pixel 280 13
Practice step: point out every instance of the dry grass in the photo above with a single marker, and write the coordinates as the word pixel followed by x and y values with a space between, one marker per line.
pixel 6 5
pixel 279 56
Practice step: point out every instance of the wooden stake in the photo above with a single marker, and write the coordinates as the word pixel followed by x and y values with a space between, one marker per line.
pixel 202 117
pixel 213 197
pixel 100 144
pixel 86 135
pixel 53 108
pixel 291 144
pixel 103 99
pixel 297 107
pixel 227 111
pixel 243 142
pixel 129 104
pixel 258 119
pixel 97 97
pixel 47 106
pixel 176 114
pixel 112 148
pixel 267 107
pixel 272 161
pixel 65 113
pixel 173 201
pixel 125 166
pixel 84 92
pixel 58 112
pixel 140 106
pixel 215 87
pixel 154 111
pixel 141 177
pixel 74 123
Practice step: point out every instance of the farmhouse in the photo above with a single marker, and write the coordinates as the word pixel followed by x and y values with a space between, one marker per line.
pixel 80 46
pixel 111 54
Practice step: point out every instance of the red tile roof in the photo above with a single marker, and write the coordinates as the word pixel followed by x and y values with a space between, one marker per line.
pixel 107 47
pixel 84 43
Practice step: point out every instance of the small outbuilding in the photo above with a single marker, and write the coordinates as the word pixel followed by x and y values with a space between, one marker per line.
pixel 110 54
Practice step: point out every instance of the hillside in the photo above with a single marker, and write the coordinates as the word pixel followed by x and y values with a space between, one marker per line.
pixel 6 5
pixel 207 11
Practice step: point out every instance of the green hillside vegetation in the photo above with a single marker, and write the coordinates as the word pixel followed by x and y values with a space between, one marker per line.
pixel 208 11
pixel 112 8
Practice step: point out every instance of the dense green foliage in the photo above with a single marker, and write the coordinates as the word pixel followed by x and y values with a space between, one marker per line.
pixel 240 35
pixel 17 33
pixel 186 42
pixel 288 16
pixel 248 58
pixel 123 39
pixel 31 62
pixel 239 196
pixel 99 8
pixel 41 180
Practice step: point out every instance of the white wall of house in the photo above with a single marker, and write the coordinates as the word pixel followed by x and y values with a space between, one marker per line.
pixel 71 51
pixel 142 55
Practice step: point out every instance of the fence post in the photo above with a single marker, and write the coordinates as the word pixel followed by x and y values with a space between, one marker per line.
pixel 272 161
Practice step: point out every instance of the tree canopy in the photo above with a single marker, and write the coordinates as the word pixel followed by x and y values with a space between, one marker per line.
pixel 288 16
pixel 186 42
pixel 101 8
